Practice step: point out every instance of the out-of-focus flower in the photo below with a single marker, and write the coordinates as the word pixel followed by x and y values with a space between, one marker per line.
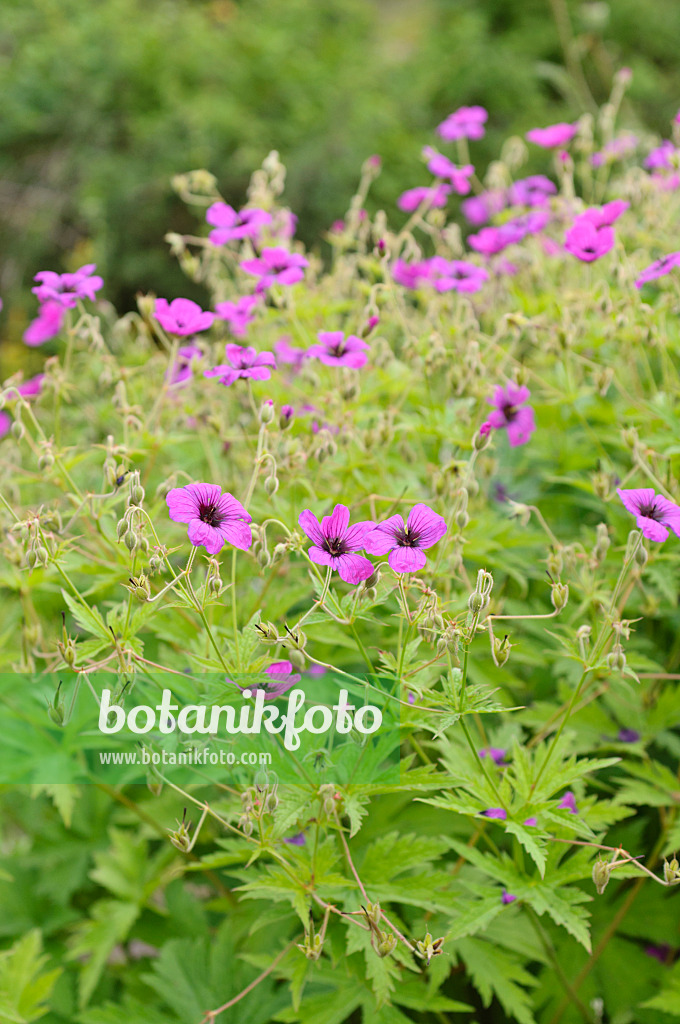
pixel 553 136
pixel 182 371
pixel 496 754
pixel 337 350
pixel 68 288
pixel 464 123
pixel 276 266
pixel 442 167
pixel 230 225
pixel 182 317
pixel 658 269
pixel 243 363
pixel 456 275
pixel 46 325
pixel 479 209
pixel 587 241
pixel 497 813
pixel 507 897
pixel 511 413
pixel 628 736
pixel 435 196
pixel 623 145
pixel 568 803
pixel 532 191
pixel 605 216
pixel 238 314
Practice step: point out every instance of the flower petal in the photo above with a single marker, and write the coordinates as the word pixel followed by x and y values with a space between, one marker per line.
pixel 406 559
pixel 354 568
pixel 429 526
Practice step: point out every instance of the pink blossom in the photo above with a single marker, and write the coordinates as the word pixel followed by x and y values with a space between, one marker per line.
pixel 532 191
pixel 661 157
pixel 182 317
pixel 587 241
pixel 68 288
pixel 436 196
pixel 530 822
pixel 335 543
pixel 411 275
pixel 507 897
pixel 568 803
pixel 243 363
pixel 496 754
pixel 658 269
pixel 276 266
pixel 405 543
pixel 615 149
pixel 511 413
pixel 497 813
pixel 553 136
pixel 456 275
pixel 442 167
pixel 182 371
pixel 479 209
pixel 214 518
pixel 238 314
pixel 289 354
pixel 464 123
pixel 654 514
pixel 46 325
pixel 492 240
pixel 280 678
pixel 5 423
pixel 605 216
pixel 337 350
pixel 231 226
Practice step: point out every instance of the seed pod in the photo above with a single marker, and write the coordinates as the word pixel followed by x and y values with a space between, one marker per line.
pixel 602 870
pixel 559 596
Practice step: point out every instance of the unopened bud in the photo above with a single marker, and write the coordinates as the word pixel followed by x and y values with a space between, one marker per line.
pixel 387 946
pixel 602 870
pixel 616 660
pixel 286 416
pixel 559 596
pixel 131 540
pixel 271 485
pixel 266 414
pixel 500 650
pixel 46 460
pixel 18 430
pixel 641 556
pixel 481 440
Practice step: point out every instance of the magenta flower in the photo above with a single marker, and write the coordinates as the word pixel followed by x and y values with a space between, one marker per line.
pixel 623 145
pixel 245 363
pixel 411 275
pixel 464 123
pixel 661 157
pixel 214 518
pixel 337 350
pixel 238 314
pixel 5 423
pixel 289 354
pixel 335 543
pixel 456 275
pixel 46 325
pixel 31 387
pixel 231 226
pixel 507 897
pixel 495 753
pixel 653 513
pixel 497 813
pixel 553 136
pixel 442 167
pixel 479 209
pixel 532 191
pixel 605 216
pixel 436 196
pixel 405 544
pixel 658 269
pixel 568 803
pixel 280 679
pixel 68 288
pixel 530 822
pixel 492 240
pixel 182 371
pixel 628 736
pixel 587 241
pixel 182 317
pixel 512 413
pixel 297 840
pixel 528 224
pixel 276 266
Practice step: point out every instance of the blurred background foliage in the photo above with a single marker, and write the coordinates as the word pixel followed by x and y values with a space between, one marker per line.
pixel 103 101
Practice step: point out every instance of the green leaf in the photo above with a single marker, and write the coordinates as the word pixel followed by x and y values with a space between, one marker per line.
pixel 109 923
pixel 24 986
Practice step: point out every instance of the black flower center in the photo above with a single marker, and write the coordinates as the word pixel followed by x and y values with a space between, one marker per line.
pixel 337 350
pixel 407 538
pixel 335 546
pixel 510 412
pixel 651 512
pixel 210 514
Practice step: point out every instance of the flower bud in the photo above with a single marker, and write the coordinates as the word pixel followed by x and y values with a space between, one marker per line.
pixel 131 540
pixel 136 489
pixel 387 946
pixel 55 709
pixel 481 440
pixel 18 430
pixel 641 556
pixel 616 660
pixel 266 414
pixel 271 484
pixel 268 633
pixel 500 650
pixel 559 596
pixel 602 870
pixel 462 519
pixel 630 437
pixel 46 460
pixel 671 871
pixel 286 416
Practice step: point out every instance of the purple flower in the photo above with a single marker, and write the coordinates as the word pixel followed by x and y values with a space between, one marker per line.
pixel 530 822
pixel 605 216
pixel 464 123
pixel 511 412
pixel 615 149
pixel 495 812
pixel 214 518
pixel 243 363
pixel 276 266
pixel 660 953
pixel 31 387
pixel 289 354
pixel 507 897
pixel 479 209
pixel 182 317
pixel 335 543
pixel 230 225
pixel 182 371
pixel 337 350
pixel 456 275
pixel 495 753
pixel 5 423
pixel 532 191
pixel 442 167
pixel 658 269
pixel 654 514
pixel 661 157
pixel 68 288
pixel 553 136
pixel 405 544
pixel 280 679
pixel 528 224
pixel 46 325
pixel 238 314
pixel 297 840
pixel 587 241
pixel 411 275
pixel 628 736
pixel 568 803
pixel 492 240
pixel 436 196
